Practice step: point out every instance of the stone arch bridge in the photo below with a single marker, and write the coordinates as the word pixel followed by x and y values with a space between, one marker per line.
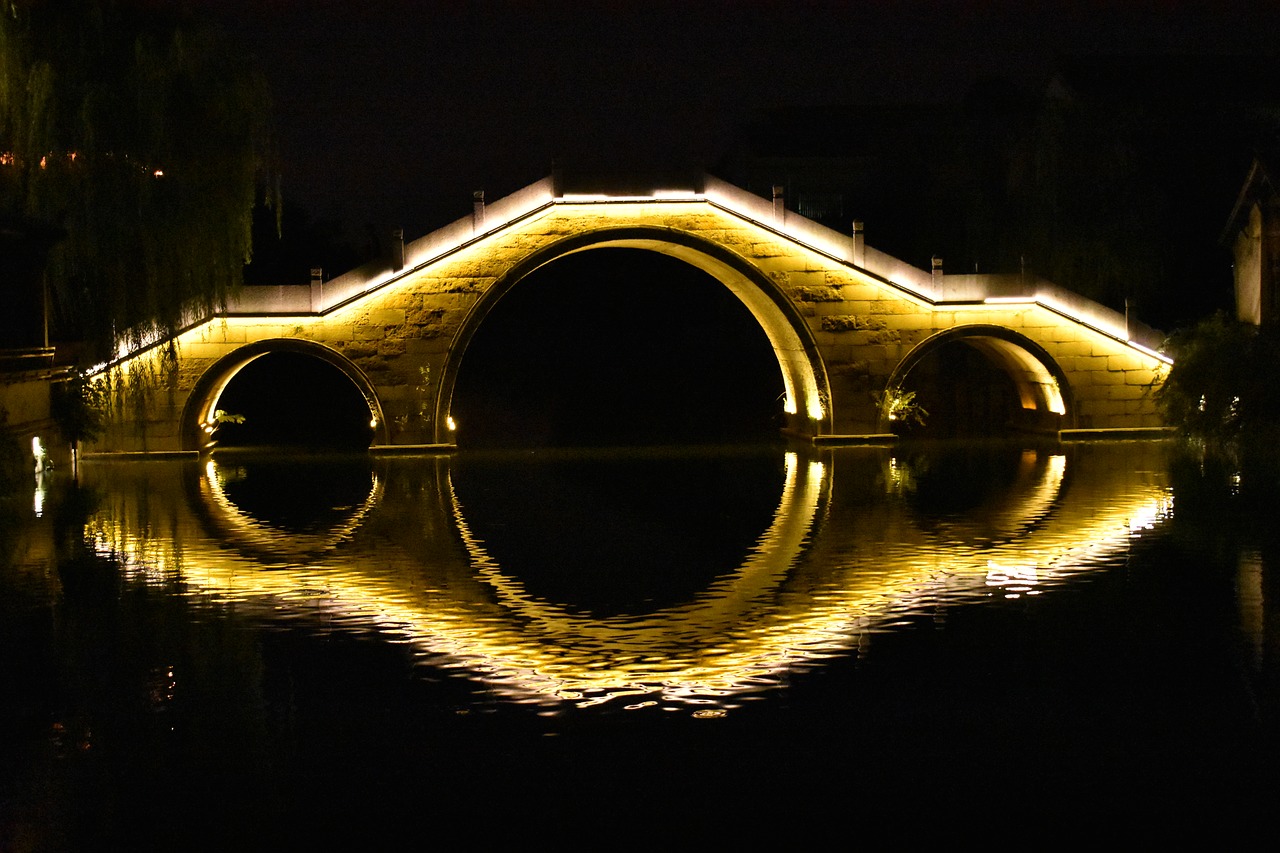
pixel 848 323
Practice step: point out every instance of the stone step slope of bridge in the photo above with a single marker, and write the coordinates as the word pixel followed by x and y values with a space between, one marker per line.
pixel 846 321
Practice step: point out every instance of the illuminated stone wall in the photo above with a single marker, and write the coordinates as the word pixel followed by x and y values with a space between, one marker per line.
pixel 845 320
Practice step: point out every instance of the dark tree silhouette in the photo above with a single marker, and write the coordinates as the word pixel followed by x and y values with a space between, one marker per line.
pixel 140 131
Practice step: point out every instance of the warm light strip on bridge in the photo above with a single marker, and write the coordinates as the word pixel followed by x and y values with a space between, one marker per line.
pixel 656 195
pixel 839 248
pixel 1096 321
pixel 817 238
pixel 1161 356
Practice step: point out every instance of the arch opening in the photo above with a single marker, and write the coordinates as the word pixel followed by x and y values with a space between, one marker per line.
pixel 980 382
pixel 617 346
pixel 283 394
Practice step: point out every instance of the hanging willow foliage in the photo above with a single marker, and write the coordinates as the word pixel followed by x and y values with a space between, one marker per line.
pixel 146 137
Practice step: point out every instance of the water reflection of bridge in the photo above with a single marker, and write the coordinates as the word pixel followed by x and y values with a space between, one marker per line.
pixel 852 548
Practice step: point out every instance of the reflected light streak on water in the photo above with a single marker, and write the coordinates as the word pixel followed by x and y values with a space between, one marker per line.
pixel 822 577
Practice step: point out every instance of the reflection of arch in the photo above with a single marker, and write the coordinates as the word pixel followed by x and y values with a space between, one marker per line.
pixel 721 611
pixel 260 539
pixel 199 409
pixel 1042 386
pixel 803 373
pixel 1014 512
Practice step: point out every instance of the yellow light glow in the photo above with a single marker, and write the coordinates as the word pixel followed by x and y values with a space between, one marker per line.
pixel 720 644
pixel 451 423
pixel 41 460
pixel 1096 319
pixel 1161 356
pixel 656 196
pixel 1056 403
pixel 906 286
pixel 1016 577
pixel 265 541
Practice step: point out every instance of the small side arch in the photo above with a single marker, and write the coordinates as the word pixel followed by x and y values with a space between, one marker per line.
pixel 804 374
pixel 201 404
pixel 1044 392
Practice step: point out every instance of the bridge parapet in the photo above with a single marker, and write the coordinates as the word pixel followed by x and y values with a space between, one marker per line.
pixel 277 299
pixel 938 290
pixel 991 288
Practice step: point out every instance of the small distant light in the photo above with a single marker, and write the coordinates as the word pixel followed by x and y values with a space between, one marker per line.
pixel 158 173
pixel 373 423
pixel 451 423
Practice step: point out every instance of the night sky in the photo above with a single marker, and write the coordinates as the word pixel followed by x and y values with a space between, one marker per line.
pixel 393 112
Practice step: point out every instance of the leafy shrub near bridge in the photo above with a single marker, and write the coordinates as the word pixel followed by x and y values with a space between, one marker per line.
pixel 1222 388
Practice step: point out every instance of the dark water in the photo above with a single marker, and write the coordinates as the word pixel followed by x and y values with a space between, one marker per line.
pixel 638 648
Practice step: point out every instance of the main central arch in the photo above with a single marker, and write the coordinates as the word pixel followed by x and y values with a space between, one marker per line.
pixel 804 378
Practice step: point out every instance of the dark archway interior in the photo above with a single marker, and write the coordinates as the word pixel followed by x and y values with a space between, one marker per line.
pixel 963 394
pixel 652 529
pixel 617 347
pixel 291 399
